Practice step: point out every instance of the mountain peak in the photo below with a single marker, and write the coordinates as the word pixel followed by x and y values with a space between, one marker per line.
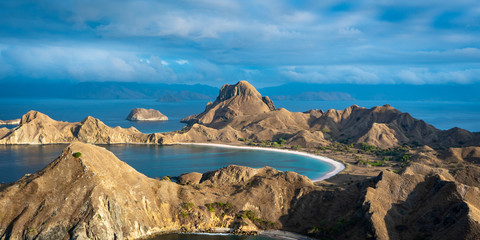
pixel 32 115
pixel 242 88
pixel 232 101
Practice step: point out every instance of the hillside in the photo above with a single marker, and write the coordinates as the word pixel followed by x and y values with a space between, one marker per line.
pixel 94 195
pixel 241 112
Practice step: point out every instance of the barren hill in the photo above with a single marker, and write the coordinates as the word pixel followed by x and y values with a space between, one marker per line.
pixel 38 128
pixel 244 113
pixel 87 193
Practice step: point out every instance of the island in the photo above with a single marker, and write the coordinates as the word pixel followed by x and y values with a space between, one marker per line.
pixel 142 114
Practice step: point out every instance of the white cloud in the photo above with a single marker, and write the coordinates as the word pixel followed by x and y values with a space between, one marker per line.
pixel 182 62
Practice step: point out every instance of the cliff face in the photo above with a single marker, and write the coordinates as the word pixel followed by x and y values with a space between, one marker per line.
pixel 38 128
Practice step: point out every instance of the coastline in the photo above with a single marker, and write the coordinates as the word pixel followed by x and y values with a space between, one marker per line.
pixel 337 166
pixel 276 234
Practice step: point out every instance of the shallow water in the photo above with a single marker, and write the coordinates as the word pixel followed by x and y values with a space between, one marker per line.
pixel 180 236
pixel 159 161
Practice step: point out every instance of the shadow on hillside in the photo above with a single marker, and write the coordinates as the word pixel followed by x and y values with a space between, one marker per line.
pixel 432 210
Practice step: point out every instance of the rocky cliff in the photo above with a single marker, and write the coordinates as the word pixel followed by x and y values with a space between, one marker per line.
pixel 142 114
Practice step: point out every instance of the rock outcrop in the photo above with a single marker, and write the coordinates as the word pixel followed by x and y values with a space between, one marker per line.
pixel 38 128
pixel 142 114
pixel 241 99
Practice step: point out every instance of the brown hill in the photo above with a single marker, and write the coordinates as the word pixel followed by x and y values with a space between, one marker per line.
pixel 233 101
pixel 249 115
pixel 38 128
pixel 97 196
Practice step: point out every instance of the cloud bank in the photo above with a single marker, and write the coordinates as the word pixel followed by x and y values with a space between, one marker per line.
pixel 266 42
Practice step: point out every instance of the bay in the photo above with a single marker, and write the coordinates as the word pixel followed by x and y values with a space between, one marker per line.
pixel 158 161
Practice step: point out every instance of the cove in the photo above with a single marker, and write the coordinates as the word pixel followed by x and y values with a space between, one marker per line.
pixel 172 160
pixel 182 236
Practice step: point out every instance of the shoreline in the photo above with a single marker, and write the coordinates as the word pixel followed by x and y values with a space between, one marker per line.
pixel 276 234
pixel 337 166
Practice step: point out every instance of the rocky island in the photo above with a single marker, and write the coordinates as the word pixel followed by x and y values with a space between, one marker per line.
pixel 142 114
pixel 404 178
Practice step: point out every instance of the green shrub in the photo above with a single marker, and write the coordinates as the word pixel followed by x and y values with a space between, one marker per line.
pixel 77 154
pixel 166 178
pixel 188 206
pixel 296 147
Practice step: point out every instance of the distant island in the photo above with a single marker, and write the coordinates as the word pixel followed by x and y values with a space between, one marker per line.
pixel 142 114
pixel 403 178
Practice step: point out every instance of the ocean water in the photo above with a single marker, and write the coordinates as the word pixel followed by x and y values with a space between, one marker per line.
pixel 158 161
pixel 443 115
pixel 111 112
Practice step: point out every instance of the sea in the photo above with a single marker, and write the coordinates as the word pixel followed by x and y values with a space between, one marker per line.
pixel 159 161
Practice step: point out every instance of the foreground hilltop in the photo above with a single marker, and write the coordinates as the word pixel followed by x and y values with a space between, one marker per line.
pixel 241 112
pixel 87 193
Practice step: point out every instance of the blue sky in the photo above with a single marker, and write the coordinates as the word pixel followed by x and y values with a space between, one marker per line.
pixel 267 42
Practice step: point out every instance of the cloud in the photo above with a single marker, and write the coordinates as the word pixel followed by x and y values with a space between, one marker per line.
pixel 182 62
pixel 357 42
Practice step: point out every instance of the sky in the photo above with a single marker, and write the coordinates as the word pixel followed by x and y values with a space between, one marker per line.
pixel 266 42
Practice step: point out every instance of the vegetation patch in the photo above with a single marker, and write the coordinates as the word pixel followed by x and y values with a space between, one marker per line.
pixel 77 154
pixel 188 206
pixel 225 207
pixel 166 178
pixel 256 220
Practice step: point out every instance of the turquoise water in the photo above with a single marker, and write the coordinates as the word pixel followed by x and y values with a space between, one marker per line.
pixel 443 115
pixel 159 161
pixel 180 236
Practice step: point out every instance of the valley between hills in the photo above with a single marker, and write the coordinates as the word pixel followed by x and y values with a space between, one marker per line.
pixel 403 178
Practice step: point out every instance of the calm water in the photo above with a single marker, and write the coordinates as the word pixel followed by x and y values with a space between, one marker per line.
pixel 180 236
pixel 443 115
pixel 111 112
pixel 159 161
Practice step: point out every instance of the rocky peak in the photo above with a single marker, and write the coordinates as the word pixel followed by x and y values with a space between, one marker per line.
pixel 233 100
pixel 242 88
pixel 33 115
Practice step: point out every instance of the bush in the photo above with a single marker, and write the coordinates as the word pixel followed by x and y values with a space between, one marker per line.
pixel 77 154
pixel 166 178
